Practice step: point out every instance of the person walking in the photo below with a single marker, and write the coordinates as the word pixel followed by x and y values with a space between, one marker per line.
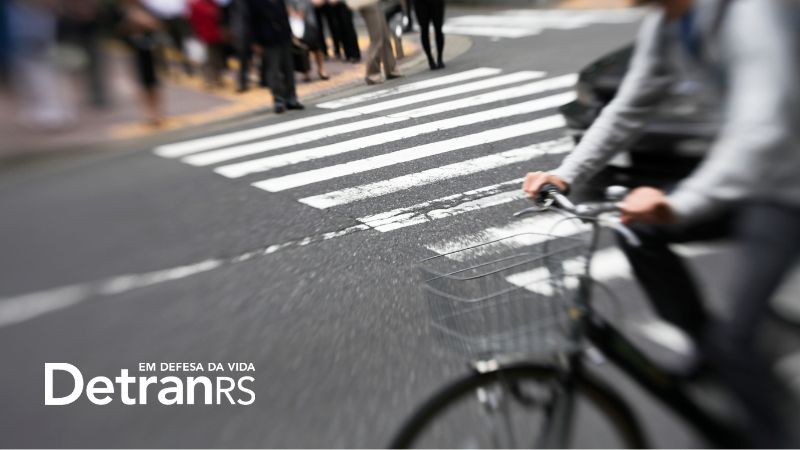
pixel 380 51
pixel 431 12
pixel 205 17
pixel 269 23
pixel 139 27
pixel 308 31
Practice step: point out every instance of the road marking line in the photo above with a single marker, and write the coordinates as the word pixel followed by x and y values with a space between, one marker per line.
pixel 185 148
pixel 498 31
pixel 267 163
pixel 416 217
pixel 494 82
pixel 225 154
pixel 425 211
pixel 410 87
pixel 21 308
pixel 29 306
pixel 411 154
pixel 536 87
pixel 462 168
pixel 519 233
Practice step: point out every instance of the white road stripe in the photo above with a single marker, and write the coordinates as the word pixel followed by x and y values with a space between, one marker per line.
pixel 28 306
pixel 185 148
pixel 411 154
pixel 410 87
pixel 497 31
pixel 458 169
pixel 494 82
pixel 519 233
pixel 226 154
pixel 21 308
pixel 415 217
pixel 536 87
pixel 272 162
pixel 430 210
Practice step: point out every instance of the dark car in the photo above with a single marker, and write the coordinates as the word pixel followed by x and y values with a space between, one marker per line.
pixel 675 139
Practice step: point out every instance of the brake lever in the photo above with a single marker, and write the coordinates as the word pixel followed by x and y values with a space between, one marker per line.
pixel 630 237
pixel 545 206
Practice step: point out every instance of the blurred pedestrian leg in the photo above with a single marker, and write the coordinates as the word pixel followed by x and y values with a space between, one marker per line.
pixel 269 22
pixel 380 51
pixel 347 31
pixel 242 41
pixel 206 17
pixel 173 15
pixel 139 28
pixel 82 25
pixel 431 12
pixel 35 77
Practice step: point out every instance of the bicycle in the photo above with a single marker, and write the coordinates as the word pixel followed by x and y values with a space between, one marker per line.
pixel 527 322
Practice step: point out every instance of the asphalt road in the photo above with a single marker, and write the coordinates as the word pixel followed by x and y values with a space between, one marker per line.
pixel 113 260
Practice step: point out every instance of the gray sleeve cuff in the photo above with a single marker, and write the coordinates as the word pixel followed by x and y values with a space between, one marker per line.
pixel 688 206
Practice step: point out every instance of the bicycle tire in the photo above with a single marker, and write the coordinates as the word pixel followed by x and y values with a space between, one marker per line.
pixel 618 413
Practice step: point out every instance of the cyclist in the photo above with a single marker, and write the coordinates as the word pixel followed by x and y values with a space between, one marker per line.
pixel 747 187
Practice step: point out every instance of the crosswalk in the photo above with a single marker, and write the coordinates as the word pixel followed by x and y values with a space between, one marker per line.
pixel 370 148
pixel 521 23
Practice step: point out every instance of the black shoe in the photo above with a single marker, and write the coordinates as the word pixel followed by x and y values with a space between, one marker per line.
pixel 279 109
pixel 440 65
pixel 432 64
pixel 295 105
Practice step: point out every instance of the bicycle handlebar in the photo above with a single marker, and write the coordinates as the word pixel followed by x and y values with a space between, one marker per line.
pixel 551 197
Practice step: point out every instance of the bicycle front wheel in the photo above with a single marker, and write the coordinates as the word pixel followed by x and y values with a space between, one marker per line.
pixel 524 406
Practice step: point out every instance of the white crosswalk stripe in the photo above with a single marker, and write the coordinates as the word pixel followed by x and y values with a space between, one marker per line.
pixel 410 87
pixel 226 154
pixel 517 24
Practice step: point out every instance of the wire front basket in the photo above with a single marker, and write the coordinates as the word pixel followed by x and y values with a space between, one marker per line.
pixel 512 296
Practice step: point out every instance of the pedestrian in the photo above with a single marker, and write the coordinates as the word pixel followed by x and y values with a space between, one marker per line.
pixel 431 12
pixel 380 53
pixel 308 31
pixel 82 22
pixel 269 23
pixel 173 17
pixel 347 31
pixel 242 40
pixel 139 28
pixel 205 17
pixel 318 8
pixel 35 76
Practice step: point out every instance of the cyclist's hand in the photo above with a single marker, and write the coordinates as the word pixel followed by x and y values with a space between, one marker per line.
pixel 535 180
pixel 646 204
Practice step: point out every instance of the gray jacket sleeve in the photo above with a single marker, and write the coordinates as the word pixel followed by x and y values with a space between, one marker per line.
pixel 758 59
pixel 621 122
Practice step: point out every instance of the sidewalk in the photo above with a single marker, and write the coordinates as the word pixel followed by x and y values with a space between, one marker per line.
pixel 188 103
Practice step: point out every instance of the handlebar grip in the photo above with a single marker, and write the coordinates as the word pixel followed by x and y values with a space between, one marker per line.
pixel 545 192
